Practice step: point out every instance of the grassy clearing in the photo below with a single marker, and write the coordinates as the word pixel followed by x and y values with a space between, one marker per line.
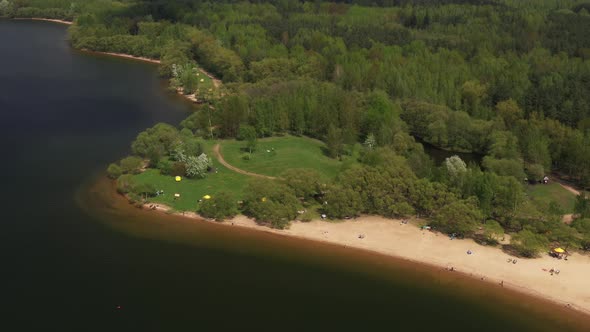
pixel 191 190
pixel 289 152
pixel 276 154
pixel 543 194
pixel 206 83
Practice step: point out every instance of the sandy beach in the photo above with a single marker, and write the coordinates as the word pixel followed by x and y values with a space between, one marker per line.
pixel 46 19
pixel 570 288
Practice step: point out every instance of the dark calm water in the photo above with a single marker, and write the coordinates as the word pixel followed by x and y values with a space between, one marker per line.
pixel 71 252
pixel 439 155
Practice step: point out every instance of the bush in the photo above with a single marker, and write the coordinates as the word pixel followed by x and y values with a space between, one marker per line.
pixel 305 183
pixel 198 166
pixel 493 232
pixel 504 167
pixel 342 202
pixel 461 217
pixel 270 202
pixel 114 171
pixel 178 169
pixel 221 206
pixel 125 183
pixel 535 172
pixel 529 244
pixel 306 216
pixel 131 164
pixel 143 190
pixel 165 167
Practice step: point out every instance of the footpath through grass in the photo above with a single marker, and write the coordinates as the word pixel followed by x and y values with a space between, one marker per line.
pixel 191 190
pixel 272 157
pixel 275 155
pixel 543 194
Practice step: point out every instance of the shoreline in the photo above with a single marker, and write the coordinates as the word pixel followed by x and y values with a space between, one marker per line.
pixel 44 19
pixel 192 97
pixel 425 248
pixel 407 242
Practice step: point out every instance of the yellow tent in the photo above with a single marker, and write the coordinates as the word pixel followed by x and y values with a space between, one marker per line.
pixel 207 197
pixel 178 179
pixel 559 250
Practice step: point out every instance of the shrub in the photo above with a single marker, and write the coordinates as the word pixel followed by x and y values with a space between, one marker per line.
pixel 125 183
pixel 178 169
pixel 535 172
pixel 460 217
pixel 165 167
pixel 114 171
pixel 131 164
pixel 270 202
pixel 306 216
pixel 342 202
pixel 529 244
pixel 143 190
pixel 493 232
pixel 305 183
pixel 197 166
pixel 221 206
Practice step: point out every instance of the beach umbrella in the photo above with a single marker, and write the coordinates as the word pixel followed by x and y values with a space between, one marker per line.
pixel 559 250
pixel 207 197
pixel 178 179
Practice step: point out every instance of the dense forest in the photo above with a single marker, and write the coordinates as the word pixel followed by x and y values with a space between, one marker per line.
pixel 505 79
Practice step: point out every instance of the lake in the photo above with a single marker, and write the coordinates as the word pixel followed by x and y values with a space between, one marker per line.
pixel 77 257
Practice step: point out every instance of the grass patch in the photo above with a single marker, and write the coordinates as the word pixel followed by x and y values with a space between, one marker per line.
pixel 289 152
pixel 206 84
pixel 543 194
pixel 191 190
pixel 276 154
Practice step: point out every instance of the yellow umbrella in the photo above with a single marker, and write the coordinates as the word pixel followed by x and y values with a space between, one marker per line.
pixel 263 199
pixel 559 250
pixel 178 179
pixel 207 197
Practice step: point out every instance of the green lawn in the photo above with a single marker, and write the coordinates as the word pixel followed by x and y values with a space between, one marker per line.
pixel 206 84
pixel 276 154
pixel 191 190
pixel 543 194
pixel 289 152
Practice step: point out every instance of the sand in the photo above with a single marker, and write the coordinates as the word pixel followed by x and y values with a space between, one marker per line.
pixel 126 56
pixel 46 19
pixel 571 287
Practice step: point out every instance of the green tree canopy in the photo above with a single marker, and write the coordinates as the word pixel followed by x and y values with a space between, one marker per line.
pixel 220 206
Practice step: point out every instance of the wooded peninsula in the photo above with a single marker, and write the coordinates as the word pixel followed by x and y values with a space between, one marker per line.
pixel 329 110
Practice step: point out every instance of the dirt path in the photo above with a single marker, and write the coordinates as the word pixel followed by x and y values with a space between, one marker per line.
pixel 569 188
pixel 217 152
pixel 568 218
